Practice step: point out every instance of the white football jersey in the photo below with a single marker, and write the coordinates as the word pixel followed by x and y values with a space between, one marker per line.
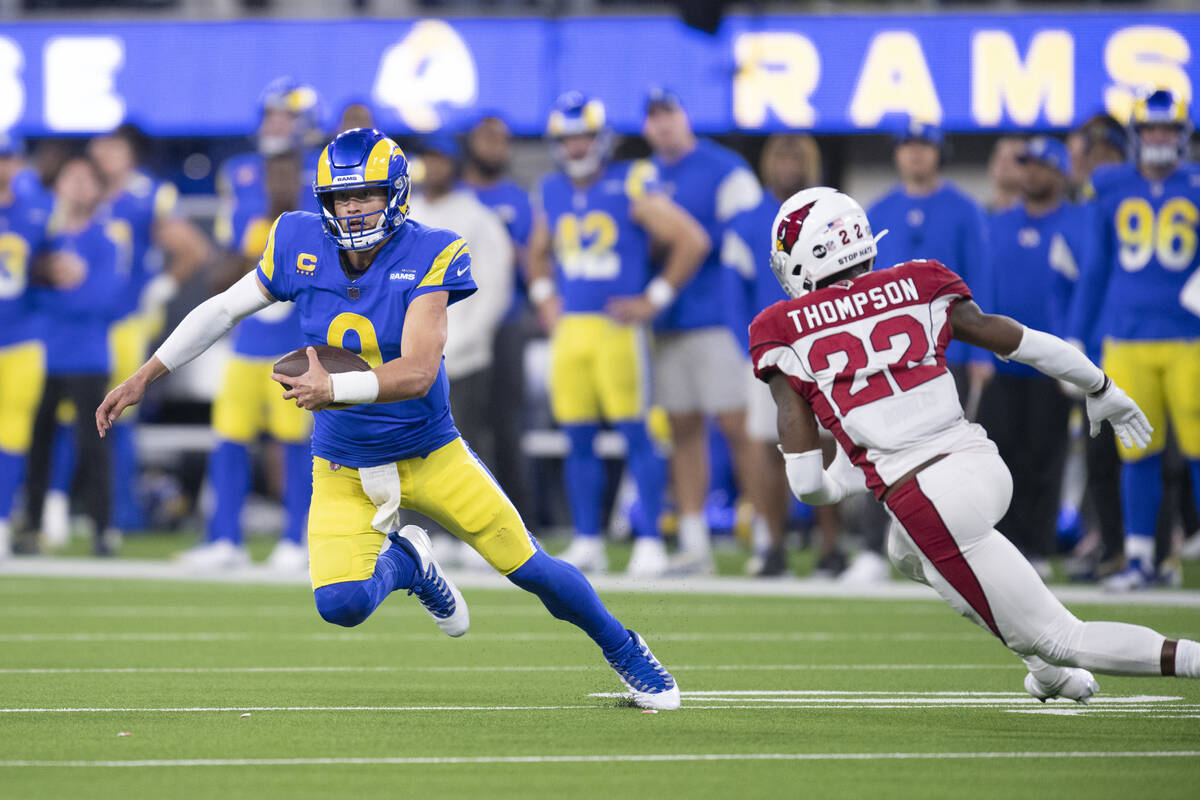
pixel 870 359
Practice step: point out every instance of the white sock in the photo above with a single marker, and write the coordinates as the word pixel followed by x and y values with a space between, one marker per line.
pixel 1140 549
pixel 693 533
pixel 1118 648
pixel 1047 674
pixel 760 535
pixel 5 539
pixel 1187 659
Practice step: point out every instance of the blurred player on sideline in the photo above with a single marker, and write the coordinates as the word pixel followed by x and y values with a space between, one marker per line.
pixel 596 223
pixel 1140 291
pixel 487 157
pixel 1034 249
pixel 23 217
pixel 365 276
pixel 163 251
pixel 697 361
pixel 84 276
pixel 927 216
pixel 864 352
pixel 247 405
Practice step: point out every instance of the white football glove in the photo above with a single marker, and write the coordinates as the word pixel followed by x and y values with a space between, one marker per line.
pixel 1127 420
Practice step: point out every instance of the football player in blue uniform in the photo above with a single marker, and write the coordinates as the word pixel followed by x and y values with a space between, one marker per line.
pixel 22 356
pixel 1140 290
pixel 597 221
pixel 86 277
pixel 1036 246
pixel 247 404
pixel 927 216
pixel 367 278
pixel 164 250
pixel 698 365
pixel 289 119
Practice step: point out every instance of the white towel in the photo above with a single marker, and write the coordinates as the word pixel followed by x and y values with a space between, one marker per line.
pixel 382 485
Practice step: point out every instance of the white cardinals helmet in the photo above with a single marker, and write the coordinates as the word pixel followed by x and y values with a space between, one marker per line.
pixel 817 233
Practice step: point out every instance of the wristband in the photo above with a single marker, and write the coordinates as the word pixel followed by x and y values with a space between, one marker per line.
pixel 1103 388
pixel 541 290
pixel 660 292
pixel 353 388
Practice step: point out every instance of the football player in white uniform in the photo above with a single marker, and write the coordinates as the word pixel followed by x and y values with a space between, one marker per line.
pixel 862 352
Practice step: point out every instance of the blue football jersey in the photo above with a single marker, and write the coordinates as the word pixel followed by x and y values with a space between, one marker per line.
pixel 1142 252
pixel 511 204
pixel 946 226
pixel 1036 264
pixel 746 253
pixel 366 315
pixel 713 184
pixel 130 222
pixel 599 251
pixel 74 322
pixel 276 329
pixel 240 181
pixel 22 232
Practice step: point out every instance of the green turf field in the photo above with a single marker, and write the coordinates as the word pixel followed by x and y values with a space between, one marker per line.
pixel 782 698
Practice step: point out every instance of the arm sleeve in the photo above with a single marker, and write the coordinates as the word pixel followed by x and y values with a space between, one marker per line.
pixel 1054 357
pixel 211 320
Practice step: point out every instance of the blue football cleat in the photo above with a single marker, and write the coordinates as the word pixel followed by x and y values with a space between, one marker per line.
pixel 647 680
pixel 437 593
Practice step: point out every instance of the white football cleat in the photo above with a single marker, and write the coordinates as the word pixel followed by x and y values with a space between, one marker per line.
pixel 1074 684
pixel 696 562
pixel 218 554
pixel 649 559
pixel 437 593
pixel 1131 579
pixel 869 568
pixel 288 556
pixel 586 553
pixel 646 679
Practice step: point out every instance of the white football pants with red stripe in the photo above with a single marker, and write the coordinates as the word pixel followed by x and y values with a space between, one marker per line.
pixel 943 535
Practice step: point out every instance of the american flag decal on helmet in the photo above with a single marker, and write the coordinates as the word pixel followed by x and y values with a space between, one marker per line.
pixel 789 227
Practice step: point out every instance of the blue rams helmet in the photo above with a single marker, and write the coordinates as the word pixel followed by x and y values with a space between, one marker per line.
pixel 303 103
pixel 1160 107
pixel 362 158
pixel 577 115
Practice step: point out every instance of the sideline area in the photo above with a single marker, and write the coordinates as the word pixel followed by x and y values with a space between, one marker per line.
pixel 147 569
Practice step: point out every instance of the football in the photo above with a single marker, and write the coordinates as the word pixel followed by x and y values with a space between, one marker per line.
pixel 333 359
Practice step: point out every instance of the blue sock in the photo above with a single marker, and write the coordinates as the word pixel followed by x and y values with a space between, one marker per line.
pixel 229 475
pixel 128 514
pixel 350 602
pixel 584 473
pixel 297 489
pixel 62 458
pixel 1194 469
pixel 568 596
pixel 1142 492
pixel 649 473
pixel 12 471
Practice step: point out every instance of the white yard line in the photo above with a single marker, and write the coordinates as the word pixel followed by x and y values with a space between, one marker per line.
pixel 124 569
pixel 577 668
pixel 604 759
